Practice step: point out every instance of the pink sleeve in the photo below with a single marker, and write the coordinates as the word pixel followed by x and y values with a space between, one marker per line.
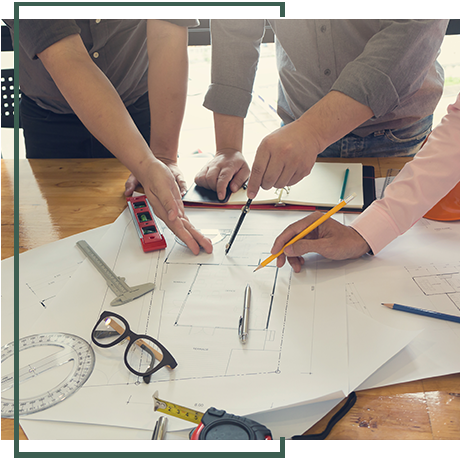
pixel 433 172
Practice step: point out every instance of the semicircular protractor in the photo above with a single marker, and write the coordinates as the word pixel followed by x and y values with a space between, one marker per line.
pixel 52 367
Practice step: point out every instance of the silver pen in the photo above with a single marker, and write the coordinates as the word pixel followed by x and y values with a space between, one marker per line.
pixel 243 327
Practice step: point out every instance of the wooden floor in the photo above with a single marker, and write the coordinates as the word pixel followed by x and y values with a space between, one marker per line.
pixel 59 198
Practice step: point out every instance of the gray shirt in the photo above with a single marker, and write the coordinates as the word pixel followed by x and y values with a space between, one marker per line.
pixel 387 65
pixel 117 47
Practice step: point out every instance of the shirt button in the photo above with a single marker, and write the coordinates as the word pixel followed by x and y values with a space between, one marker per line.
pixel 98 21
pixel 327 72
pixel 323 28
pixel 96 55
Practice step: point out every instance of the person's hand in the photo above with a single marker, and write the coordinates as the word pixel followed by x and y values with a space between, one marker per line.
pixel 162 191
pixel 331 240
pixel 283 158
pixel 176 172
pixel 132 182
pixel 227 168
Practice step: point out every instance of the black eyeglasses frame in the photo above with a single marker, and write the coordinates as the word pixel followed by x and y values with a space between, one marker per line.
pixel 166 360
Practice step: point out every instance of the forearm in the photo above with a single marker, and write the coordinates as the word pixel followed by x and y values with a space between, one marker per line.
pixel 168 73
pixel 287 155
pixel 333 117
pixel 95 101
pixel 228 132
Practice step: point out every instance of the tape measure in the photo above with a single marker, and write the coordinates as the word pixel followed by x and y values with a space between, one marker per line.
pixel 146 226
pixel 215 424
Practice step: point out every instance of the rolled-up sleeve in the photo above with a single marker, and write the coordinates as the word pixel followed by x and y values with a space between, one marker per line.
pixel 235 55
pixel 390 67
pixel 422 183
pixel 35 35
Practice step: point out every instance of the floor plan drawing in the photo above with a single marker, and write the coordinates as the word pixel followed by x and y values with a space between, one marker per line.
pixel 435 280
pixel 194 311
pixel 298 346
pixel 197 304
pixel 354 298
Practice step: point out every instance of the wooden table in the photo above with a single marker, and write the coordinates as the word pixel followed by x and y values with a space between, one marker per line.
pixel 59 198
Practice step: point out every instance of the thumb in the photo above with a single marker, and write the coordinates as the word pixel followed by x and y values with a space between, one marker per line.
pixel 182 184
pixel 130 185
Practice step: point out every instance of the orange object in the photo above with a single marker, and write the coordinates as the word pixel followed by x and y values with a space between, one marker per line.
pixel 448 208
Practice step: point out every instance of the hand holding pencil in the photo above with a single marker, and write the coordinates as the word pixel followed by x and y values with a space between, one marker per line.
pixel 330 239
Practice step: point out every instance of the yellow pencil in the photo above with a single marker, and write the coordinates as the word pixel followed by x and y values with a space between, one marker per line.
pixel 314 225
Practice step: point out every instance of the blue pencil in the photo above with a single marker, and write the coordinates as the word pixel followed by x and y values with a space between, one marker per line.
pixel 423 312
pixel 344 186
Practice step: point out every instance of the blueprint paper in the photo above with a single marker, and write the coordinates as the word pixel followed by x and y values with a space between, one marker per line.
pixel 57 430
pixel 282 423
pixel 213 365
pixel 65 251
pixel 310 362
pixel 42 273
pixel 364 336
pixel 421 269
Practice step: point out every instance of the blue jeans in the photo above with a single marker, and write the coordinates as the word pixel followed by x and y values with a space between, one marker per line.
pixel 391 142
pixel 52 135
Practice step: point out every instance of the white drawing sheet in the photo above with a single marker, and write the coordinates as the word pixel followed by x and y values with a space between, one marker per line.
pixel 194 311
pixel 419 269
pixel 279 381
pixel 42 273
pixel 297 349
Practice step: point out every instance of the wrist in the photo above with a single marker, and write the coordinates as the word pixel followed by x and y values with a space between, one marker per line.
pixel 145 168
pixel 228 152
pixel 166 158
pixel 312 134
pixel 362 246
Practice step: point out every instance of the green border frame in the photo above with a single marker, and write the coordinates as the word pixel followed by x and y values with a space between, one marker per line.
pixel 126 449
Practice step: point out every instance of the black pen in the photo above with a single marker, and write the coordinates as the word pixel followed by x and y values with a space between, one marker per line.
pixel 244 211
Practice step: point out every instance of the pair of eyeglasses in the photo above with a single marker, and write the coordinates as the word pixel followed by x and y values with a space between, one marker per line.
pixel 143 356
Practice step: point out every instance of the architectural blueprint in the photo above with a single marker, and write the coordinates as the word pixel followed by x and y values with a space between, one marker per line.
pixel 420 269
pixel 194 311
pixel 298 349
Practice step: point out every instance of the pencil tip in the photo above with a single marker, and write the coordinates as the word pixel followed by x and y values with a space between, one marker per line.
pixel 388 305
pixel 258 267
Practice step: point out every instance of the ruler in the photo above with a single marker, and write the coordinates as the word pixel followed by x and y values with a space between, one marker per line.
pixel 48 356
pixel 124 292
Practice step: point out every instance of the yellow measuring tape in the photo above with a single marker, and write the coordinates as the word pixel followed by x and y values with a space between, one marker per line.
pixel 178 411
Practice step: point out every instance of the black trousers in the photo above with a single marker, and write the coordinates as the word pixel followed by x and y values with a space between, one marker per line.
pixel 51 135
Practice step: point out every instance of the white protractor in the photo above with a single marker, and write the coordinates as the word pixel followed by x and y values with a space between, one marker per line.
pixel 52 367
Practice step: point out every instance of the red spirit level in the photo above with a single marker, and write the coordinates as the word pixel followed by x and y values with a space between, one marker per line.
pixel 146 226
